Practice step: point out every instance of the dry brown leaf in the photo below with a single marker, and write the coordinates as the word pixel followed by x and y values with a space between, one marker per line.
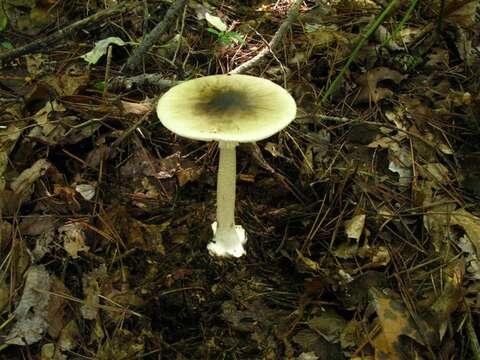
pixel 57 306
pixel 369 82
pixel 21 185
pixel 471 224
pixel 462 12
pixel 435 172
pixel 395 321
pixel 450 297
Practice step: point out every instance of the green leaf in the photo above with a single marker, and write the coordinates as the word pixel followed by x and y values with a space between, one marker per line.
pixel 101 48
pixel 7 45
pixel 100 85
pixel 3 19
pixel 213 31
pixel 236 36
pixel 216 22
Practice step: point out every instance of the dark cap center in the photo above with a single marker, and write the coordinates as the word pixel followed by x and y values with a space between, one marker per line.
pixel 225 101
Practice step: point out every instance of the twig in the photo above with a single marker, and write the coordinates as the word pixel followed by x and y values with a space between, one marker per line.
pixel 141 81
pixel 58 36
pixel 291 17
pixel 107 71
pixel 151 38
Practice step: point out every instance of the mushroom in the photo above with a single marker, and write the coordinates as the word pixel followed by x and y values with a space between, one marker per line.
pixel 229 109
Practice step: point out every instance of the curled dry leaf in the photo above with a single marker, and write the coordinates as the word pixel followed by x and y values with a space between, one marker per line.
pixel 354 226
pixel 370 91
pixel 26 179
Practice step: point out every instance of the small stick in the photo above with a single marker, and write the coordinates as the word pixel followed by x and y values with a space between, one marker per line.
pixel 56 37
pixel 141 81
pixel 291 17
pixel 107 71
pixel 151 38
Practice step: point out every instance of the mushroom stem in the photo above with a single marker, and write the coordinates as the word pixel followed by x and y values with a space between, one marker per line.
pixel 226 184
pixel 229 238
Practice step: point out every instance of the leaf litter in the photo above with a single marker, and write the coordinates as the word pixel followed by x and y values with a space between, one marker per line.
pixel 362 216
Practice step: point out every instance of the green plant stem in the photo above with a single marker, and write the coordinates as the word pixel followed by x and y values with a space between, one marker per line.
pixel 373 27
pixel 401 24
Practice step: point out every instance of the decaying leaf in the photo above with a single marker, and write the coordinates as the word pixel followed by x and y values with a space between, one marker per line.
pixel 68 339
pixel 307 356
pixel 4 294
pixel 471 259
pixel 395 322
pixel 21 185
pixel 401 163
pixel 323 36
pixel 307 263
pixel 370 80
pixel 169 166
pixel 48 130
pixel 462 12
pixel 435 172
pixel 91 291
pixel 31 312
pixel 438 59
pixel 449 298
pixel 329 324
pixel 124 345
pixel 51 352
pixel 8 139
pixel 438 217
pixel 146 236
pixel 70 82
pixel 354 226
pixel 57 307
pixel 73 237
pixel 471 224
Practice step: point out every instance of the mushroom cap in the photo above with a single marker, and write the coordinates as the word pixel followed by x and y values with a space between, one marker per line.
pixel 239 108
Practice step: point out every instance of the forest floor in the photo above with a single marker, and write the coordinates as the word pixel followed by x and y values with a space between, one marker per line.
pixel 363 215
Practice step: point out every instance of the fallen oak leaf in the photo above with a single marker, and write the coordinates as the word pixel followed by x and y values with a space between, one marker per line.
pixel 369 82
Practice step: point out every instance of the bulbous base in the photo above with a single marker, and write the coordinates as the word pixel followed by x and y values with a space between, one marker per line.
pixel 227 242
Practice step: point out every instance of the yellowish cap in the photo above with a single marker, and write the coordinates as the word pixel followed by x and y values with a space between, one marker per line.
pixel 238 108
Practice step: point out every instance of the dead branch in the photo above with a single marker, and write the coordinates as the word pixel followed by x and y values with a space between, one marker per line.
pixel 141 81
pixel 151 38
pixel 58 36
pixel 291 17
